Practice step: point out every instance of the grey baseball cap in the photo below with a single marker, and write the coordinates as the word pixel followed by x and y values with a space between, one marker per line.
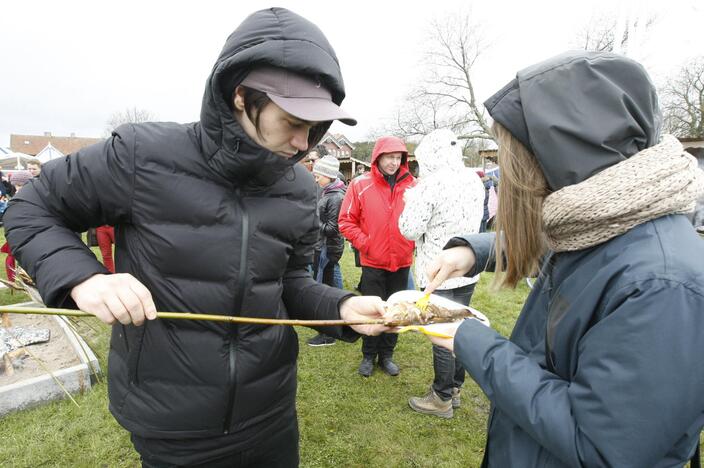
pixel 300 95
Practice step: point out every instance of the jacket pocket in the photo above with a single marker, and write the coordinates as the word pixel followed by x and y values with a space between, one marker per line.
pixel 135 341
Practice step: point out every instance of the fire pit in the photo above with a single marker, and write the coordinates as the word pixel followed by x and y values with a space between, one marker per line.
pixel 36 368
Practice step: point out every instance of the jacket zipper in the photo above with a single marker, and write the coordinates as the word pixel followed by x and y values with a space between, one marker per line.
pixel 398 181
pixel 241 283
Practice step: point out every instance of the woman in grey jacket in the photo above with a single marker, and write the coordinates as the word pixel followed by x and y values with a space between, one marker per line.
pixel 604 365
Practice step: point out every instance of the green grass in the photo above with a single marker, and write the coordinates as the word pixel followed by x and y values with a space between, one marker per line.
pixel 345 420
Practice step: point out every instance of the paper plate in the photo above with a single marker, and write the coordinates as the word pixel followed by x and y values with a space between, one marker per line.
pixel 435 329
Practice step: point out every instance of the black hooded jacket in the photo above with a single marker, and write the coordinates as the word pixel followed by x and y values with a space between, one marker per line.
pixel 329 205
pixel 210 223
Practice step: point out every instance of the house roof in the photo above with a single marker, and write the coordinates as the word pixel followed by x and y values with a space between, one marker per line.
pixel 14 160
pixel 343 140
pixel 49 153
pixel 359 161
pixel 33 144
pixel 338 139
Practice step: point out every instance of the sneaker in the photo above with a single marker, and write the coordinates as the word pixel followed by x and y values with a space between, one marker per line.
pixel 432 404
pixel 321 340
pixel 366 367
pixel 456 398
pixel 389 366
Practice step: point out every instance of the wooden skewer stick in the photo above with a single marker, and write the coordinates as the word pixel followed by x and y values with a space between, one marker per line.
pixel 209 317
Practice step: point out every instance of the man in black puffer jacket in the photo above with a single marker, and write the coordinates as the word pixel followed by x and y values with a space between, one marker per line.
pixel 210 217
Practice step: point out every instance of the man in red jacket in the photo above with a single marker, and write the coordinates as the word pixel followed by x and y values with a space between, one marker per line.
pixel 369 220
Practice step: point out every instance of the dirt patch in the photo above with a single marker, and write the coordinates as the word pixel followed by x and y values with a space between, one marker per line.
pixel 56 354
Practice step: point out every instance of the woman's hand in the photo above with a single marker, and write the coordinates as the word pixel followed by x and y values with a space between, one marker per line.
pixel 449 329
pixel 451 263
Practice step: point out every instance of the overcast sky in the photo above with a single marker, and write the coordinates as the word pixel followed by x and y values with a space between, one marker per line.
pixel 67 66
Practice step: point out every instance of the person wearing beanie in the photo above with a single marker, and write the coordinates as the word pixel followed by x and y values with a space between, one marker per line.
pixel 326 168
pixel 604 364
pixel 214 216
pixel 331 245
pixel 369 220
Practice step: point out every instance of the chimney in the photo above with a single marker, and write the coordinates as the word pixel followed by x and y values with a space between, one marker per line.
pixel 73 135
pixel 47 134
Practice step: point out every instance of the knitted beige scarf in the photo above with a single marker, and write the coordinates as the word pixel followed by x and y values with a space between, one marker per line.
pixel 657 181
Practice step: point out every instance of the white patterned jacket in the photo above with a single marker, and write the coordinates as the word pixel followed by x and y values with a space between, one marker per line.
pixel 447 201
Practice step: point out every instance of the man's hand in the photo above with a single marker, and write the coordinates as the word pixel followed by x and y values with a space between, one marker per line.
pixel 115 298
pixel 450 263
pixel 364 308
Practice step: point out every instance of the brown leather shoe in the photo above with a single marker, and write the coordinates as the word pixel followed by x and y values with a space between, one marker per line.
pixel 432 404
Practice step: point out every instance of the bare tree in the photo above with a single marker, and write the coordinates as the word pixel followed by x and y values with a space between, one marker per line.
pixel 421 114
pixel 129 115
pixel 613 34
pixel 446 96
pixel 683 101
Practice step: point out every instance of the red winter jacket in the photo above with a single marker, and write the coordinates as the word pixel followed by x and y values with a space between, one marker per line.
pixel 370 211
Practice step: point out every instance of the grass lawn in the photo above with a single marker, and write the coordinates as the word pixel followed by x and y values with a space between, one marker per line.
pixel 345 419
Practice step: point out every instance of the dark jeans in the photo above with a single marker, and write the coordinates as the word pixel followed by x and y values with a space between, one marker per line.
pixel 280 450
pixel 327 270
pixel 382 283
pixel 449 372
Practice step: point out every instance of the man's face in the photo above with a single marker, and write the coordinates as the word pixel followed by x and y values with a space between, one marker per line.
pixel 279 132
pixel 390 162
pixel 34 169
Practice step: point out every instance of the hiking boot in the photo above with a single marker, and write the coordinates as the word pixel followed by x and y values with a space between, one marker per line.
pixel 366 367
pixel 389 366
pixel 431 404
pixel 456 398
pixel 321 340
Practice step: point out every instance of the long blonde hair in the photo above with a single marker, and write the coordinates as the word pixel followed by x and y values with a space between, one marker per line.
pixel 520 241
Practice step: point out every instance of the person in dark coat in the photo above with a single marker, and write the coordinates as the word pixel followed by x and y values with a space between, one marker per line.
pixel 331 245
pixel 604 365
pixel 212 217
pixel 6 187
pixel 488 182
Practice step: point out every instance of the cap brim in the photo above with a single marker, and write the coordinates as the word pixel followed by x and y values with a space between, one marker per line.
pixel 313 109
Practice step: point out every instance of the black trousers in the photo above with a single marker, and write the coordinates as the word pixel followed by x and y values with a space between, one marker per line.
pixel 449 372
pixel 382 283
pixel 280 450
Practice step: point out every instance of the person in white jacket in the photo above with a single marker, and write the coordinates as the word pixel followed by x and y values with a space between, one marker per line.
pixel 447 201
